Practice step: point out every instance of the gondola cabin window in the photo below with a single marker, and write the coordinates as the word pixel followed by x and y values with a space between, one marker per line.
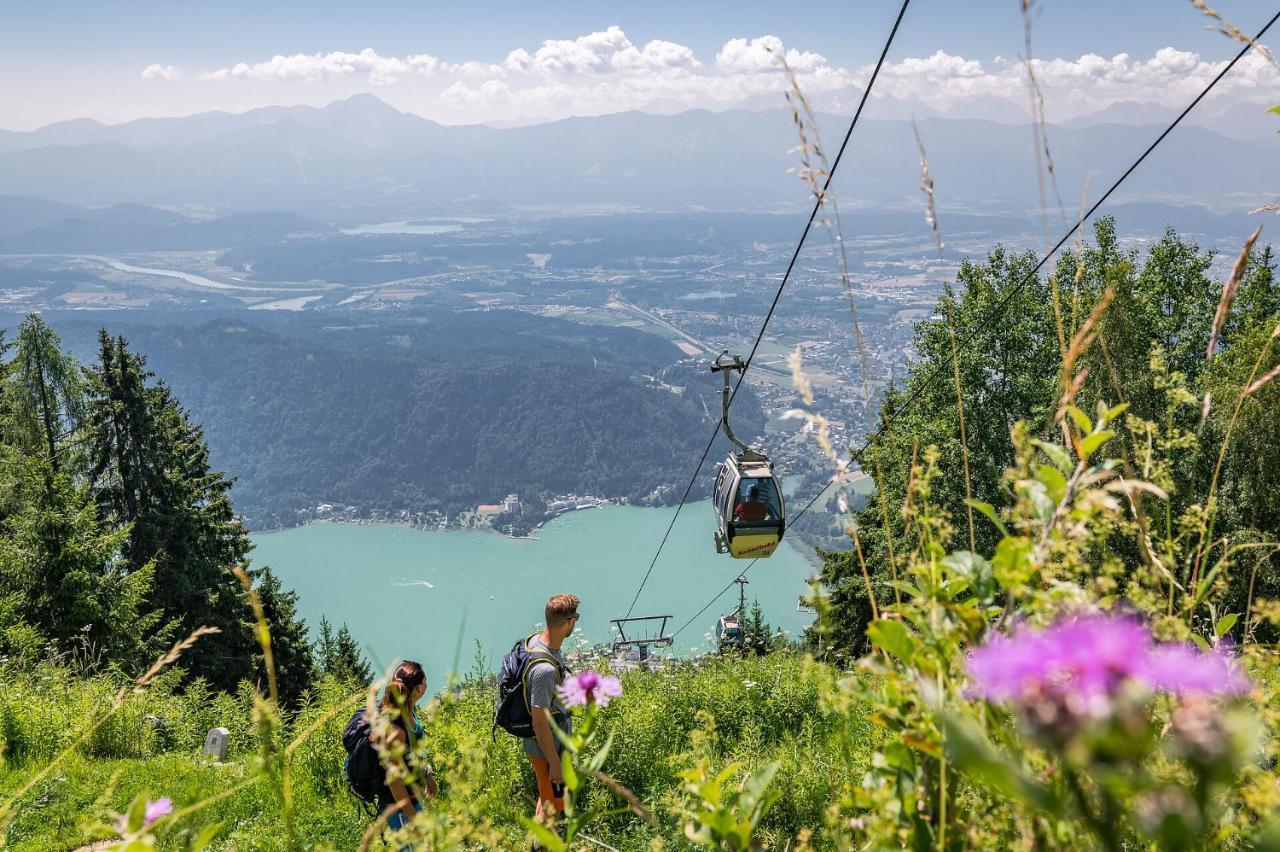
pixel 757 501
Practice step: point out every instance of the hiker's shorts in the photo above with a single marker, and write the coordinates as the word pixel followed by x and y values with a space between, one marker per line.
pixel 546 793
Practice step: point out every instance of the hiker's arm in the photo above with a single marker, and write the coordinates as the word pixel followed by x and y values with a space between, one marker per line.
pixel 547 742
pixel 429 781
pixel 403 799
pixel 399 791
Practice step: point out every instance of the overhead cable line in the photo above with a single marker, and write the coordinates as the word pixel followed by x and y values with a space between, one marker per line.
pixel 998 310
pixel 795 255
pixel 914 396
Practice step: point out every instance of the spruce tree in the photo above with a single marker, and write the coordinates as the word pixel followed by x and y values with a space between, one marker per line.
pixel 338 656
pixel 756 632
pixel 325 649
pixel 349 663
pixel 290 650
pixel 46 394
pixel 151 471
pixel 60 568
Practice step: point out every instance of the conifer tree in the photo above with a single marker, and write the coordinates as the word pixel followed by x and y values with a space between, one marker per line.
pixel 339 656
pixel 151 470
pixel 60 568
pixel 290 650
pixel 757 635
pixel 46 393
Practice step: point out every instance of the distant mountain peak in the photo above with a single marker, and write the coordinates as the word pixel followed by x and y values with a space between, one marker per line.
pixel 364 104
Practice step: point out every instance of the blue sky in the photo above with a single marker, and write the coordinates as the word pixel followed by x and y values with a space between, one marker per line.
pixel 63 59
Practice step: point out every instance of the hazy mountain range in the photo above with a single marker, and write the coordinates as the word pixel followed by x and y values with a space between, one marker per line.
pixel 361 160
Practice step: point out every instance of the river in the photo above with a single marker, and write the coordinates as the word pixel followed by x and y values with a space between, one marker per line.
pixel 429 595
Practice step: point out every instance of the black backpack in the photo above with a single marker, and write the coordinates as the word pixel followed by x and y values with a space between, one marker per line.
pixel 365 774
pixel 511 712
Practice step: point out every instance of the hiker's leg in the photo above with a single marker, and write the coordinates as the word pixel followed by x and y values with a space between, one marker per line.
pixel 548 802
pixel 395 822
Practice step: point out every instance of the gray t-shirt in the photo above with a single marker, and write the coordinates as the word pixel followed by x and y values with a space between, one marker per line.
pixel 543 680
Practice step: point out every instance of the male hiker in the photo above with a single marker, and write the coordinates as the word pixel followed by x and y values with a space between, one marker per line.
pixel 543 676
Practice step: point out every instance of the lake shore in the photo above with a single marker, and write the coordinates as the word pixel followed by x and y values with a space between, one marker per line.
pixel 428 596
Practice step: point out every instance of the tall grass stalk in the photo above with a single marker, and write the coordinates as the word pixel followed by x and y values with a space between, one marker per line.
pixel 1234 33
pixel 261 632
pixel 926 187
pixel 1039 125
pixel 964 437
pixel 814 170
pixel 1211 495
pixel 878 447
pixel 866 576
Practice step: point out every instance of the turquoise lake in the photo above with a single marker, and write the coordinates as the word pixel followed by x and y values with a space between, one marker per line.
pixel 428 595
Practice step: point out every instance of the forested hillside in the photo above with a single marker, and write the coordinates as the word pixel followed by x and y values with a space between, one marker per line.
pixel 116 535
pixel 433 412
pixel 1159 347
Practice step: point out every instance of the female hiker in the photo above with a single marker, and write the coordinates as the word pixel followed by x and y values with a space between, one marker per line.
pixel 406 688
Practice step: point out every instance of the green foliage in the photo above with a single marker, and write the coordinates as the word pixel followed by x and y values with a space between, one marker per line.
pixel 770 707
pixel 1171 772
pixel 718 814
pixel 1079 506
pixel 294 663
pixel 757 634
pixel 150 471
pixel 1149 352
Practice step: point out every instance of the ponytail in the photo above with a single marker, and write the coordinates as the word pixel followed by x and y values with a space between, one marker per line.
pixel 408 677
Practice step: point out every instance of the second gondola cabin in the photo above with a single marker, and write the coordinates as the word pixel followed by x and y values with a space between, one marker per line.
pixel 749 506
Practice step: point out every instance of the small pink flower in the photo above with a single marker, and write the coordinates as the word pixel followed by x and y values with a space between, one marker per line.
pixel 589 687
pixel 157 809
pixel 150 813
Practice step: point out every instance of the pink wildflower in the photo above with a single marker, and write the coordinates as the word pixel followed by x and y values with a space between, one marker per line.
pixel 157 809
pixel 1182 669
pixel 1091 657
pixel 150 813
pixel 589 687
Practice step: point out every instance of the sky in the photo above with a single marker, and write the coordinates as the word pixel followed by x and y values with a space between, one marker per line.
pixel 512 63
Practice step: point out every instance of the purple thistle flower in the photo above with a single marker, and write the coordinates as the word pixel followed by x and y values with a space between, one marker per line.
pixel 1182 669
pixel 589 687
pixel 1090 655
pixel 1090 658
pixel 157 809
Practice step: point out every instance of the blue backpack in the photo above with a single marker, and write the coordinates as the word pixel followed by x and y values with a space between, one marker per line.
pixel 511 712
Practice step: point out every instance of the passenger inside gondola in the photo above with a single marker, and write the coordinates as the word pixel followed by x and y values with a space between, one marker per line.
pixel 757 502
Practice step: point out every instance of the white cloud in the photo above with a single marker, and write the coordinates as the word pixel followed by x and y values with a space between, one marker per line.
pixel 605 71
pixel 761 54
pixel 656 55
pixel 314 67
pixel 600 53
pixel 473 69
pixel 161 72
pixel 1072 87
pixel 583 55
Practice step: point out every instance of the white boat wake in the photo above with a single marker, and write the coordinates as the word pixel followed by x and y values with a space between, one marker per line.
pixel 404 582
